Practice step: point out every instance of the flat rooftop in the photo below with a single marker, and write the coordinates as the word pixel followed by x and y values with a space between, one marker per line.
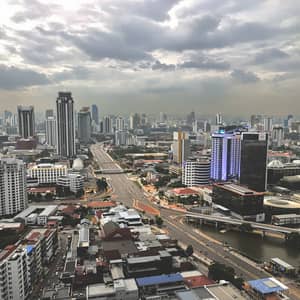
pixel 225 292
pixel 238 189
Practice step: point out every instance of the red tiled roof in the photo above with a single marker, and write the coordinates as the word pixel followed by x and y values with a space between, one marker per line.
pixel 184 191
pixel 34 235
pixel 198 281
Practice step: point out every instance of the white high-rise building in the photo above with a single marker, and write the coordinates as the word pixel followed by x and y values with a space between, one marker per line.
pixel 65 125
pixel 219 119
pixel 13 194
pixel 120 124
pixel 196 172
pixel 15 283
pixel 51 131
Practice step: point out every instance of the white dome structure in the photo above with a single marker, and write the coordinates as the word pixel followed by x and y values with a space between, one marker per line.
pixel 78 164
pixel 275 164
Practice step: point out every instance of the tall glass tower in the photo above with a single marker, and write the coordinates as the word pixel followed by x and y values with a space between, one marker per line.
pixel 65 125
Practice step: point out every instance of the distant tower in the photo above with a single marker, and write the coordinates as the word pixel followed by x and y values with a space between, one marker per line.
pixel 65 125
pixel 95 114
pixel 84 126
pixel 26 121
pixel 120 124
pixel 51 131
pixel 219 119
pixel 49 113
pixel 181 147
pixel 107 125
pixel 268 124
pixel 13 193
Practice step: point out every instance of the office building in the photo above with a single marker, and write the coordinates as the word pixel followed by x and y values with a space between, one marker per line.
pixel 242 202
pixel 95 114
pixel 74 182
pixel 253 166
pixel 26 121
pixel 225 156
pixel 268 124
pixel 65 125
pixel 84 126
pixel 47 173
pixel 196 172
pixel 13 194
pixel 51 131
pixel 180 147
pixel 107 125
pixel 219 119
pixel 134 121
pixel 120 123
pixel 277 136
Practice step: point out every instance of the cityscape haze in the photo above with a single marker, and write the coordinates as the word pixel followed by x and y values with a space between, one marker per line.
pixel 149 150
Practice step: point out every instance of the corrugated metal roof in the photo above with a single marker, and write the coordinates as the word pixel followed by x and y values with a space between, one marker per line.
pixel 160 279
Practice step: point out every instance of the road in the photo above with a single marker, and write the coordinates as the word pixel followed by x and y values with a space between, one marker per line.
pixel 125 191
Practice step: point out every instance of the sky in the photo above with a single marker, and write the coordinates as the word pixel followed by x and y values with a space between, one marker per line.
pixel 230 56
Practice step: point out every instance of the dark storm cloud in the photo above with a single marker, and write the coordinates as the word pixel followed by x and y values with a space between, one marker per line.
pixel 244 76
pixel 15 78
pixel 206 64
pixel 269 55
pixel 161 66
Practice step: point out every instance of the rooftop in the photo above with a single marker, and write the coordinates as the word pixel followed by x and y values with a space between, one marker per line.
pixel 267 285
pixel 238 189
pixel 159 279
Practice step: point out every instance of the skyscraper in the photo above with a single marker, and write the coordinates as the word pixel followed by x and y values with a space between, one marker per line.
pixel 107 125
pixel 225 156
pixel 49 113
pixel 84 125
pixel 181 147
pixel 120 124
pixel 13 193
pixel 268 124
pixel 51 138
pixel 253 170
pixel 65 125
pixel 219 119
pixel 95 114
pixel 26 121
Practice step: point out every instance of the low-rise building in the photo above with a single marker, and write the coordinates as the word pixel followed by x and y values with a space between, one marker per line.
pixel 47 173
pixel 120 290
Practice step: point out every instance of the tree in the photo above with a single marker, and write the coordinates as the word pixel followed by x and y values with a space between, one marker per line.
pixel 293 240
pixel 218 271
pixel 159 221
pixel 102 184
pixel 189 250
pixel 245 227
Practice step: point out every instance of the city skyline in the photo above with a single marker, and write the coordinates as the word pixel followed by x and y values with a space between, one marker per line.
pixel 241 56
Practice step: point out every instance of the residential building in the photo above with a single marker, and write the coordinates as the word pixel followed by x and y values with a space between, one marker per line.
pixel 26 121
pixel 65 125
pixel 277 136
pixel 13 194
pixel 120 123
pixel 196 172
pixel 107 125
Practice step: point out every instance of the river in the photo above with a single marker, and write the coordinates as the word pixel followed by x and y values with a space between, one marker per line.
pixel 256 247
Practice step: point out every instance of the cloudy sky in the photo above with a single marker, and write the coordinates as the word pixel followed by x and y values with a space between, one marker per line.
pixel 233 56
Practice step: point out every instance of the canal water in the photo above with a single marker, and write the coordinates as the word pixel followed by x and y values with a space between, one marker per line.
pixel 254 246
